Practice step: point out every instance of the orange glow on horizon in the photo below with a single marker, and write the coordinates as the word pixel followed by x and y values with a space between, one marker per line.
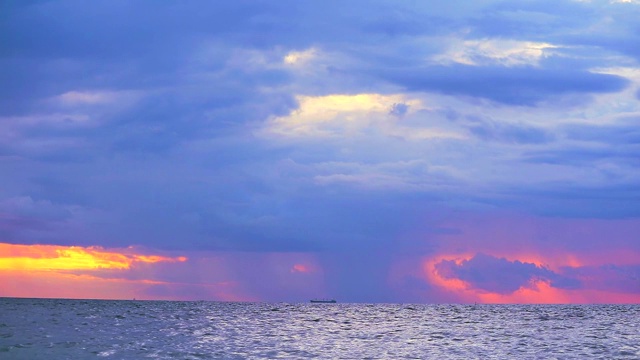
pixel 86 286
pixel 78 272
pixel 54 257
pixel 539 292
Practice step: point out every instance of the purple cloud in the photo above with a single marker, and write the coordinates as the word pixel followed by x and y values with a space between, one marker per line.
pixel 499 275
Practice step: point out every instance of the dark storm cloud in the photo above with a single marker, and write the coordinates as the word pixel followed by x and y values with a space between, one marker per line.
pixel 508 85
pixel 499 275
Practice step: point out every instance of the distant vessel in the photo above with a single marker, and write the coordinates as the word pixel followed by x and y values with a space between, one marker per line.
pixel 324 301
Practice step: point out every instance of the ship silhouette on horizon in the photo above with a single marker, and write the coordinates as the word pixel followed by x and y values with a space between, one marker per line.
pixel 323 301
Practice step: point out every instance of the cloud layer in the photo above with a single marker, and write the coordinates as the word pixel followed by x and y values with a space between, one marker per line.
pixel 354 137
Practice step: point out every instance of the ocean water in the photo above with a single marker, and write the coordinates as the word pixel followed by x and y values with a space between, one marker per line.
pixel 89 329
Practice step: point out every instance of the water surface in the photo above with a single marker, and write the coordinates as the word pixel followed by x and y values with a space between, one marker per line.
pixel 89 329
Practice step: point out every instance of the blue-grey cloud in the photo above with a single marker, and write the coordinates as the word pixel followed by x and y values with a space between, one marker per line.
pixel 580 156
pixel 624 132
pixel 609 200
pixel 593 144
pixel 557 22
pixel 532 19
pixel 490 130
pixel 509 85
pixel 609 277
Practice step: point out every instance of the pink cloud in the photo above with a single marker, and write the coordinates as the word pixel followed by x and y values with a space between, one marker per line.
pixel 507 258
pixel 300 268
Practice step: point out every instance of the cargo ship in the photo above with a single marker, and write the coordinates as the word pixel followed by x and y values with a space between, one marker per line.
pixel 323 301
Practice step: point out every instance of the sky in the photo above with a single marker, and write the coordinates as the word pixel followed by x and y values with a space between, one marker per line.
pixel 368 151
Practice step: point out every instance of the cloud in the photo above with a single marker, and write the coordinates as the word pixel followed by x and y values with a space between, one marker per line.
pixel 287 127
pixel 300 268
pixel 57 258
pixel 299 58
pixel 515 19
pixel 25 219
pixel 28 207
pixel 499 275
pixel 509 85
pixel 88 272
pixel 608 277
pixel 77 97
pixel 488 278
pixel 349 116
pixel 336 115
pixel 489 130
pixel 619 134
pixel 76 272
pixel 494 52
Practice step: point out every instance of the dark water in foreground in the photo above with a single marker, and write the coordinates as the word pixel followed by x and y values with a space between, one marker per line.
pixel 89 329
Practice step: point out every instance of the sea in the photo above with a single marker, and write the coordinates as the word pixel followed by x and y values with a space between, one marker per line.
pixel 103 329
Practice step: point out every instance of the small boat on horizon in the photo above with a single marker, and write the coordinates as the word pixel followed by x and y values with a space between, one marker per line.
pixel 323 301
